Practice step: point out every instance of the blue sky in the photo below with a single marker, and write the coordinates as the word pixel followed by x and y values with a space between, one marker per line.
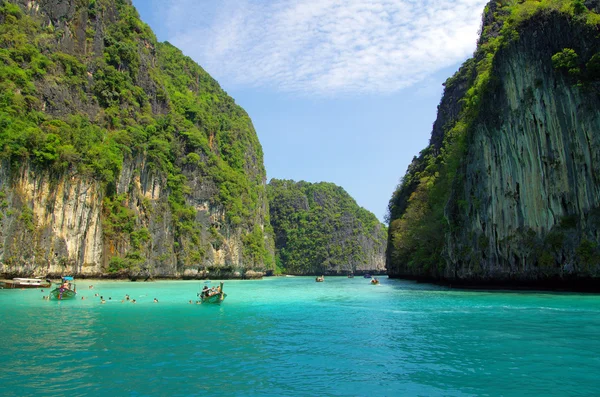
pixel 342 91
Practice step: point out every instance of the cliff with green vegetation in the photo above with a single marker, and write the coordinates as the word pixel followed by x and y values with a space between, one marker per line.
pixel 508 191
pixel 320 230
pixel 119 156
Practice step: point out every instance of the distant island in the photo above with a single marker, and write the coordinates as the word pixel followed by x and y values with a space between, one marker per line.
pixel 320 230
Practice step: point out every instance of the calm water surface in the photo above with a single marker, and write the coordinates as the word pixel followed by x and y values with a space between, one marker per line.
pixel 291 336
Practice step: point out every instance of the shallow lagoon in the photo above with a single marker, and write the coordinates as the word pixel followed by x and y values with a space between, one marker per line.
pixel 290 336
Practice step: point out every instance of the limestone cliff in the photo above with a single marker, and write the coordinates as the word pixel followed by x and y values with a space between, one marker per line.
pixel 121 156
pixel 319 229
pixel 510 180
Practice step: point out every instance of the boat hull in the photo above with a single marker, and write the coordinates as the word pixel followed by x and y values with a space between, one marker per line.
pixel 216 299
pixel 15 284
pixel 62 293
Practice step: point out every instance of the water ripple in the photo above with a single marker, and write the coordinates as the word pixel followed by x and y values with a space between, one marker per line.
pixel 294 337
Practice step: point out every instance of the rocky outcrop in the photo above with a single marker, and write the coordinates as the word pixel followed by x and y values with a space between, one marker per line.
pixel 121 156
pixel 532 171
pixel 320 230
pixel 524 205
pixel 52 226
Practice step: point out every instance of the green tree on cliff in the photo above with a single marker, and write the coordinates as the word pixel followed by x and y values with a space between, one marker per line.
pixel 319 229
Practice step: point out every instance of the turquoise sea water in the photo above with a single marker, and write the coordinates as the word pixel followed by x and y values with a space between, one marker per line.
pixel 290 336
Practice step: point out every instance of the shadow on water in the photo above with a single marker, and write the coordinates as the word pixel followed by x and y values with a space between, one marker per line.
pixel 416 285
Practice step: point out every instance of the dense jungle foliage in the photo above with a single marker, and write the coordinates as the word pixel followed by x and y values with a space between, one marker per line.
pixel 83 95
pixel 418 224
pixel 320 229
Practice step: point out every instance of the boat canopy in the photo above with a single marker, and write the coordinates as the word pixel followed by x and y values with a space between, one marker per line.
pixel 69 278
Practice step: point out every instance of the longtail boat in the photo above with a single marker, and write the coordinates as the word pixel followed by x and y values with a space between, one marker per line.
pixel 25 283
pixel 66 289
pixel 212 295
pixel 320 279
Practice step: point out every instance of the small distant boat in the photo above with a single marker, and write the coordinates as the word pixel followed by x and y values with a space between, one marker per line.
pixel 212 295
pixel 350 275
pixel 367 275
pixel 375 281
pixel 66 289
pixel 26 283
pixel 320 279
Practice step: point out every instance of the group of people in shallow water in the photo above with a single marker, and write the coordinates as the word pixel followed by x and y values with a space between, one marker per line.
pixel 127 298
pixel 206 293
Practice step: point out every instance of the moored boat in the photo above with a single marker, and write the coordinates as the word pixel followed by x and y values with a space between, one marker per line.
pixel 367 275
pixel 66 289
pixel 320 279
pixel 18 282
pixel 212 295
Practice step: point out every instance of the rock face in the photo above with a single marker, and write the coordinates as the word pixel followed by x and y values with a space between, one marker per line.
pixel 320 230
pixel 120 156
pixel 522 204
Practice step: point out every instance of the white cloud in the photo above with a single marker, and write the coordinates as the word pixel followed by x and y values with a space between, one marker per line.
pixel 325 47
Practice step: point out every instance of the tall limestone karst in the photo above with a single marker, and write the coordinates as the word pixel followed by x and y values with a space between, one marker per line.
pixel 119 155
pixel 319 229
pixel 508 190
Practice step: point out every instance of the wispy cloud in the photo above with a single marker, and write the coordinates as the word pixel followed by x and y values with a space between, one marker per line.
pixel 325 47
